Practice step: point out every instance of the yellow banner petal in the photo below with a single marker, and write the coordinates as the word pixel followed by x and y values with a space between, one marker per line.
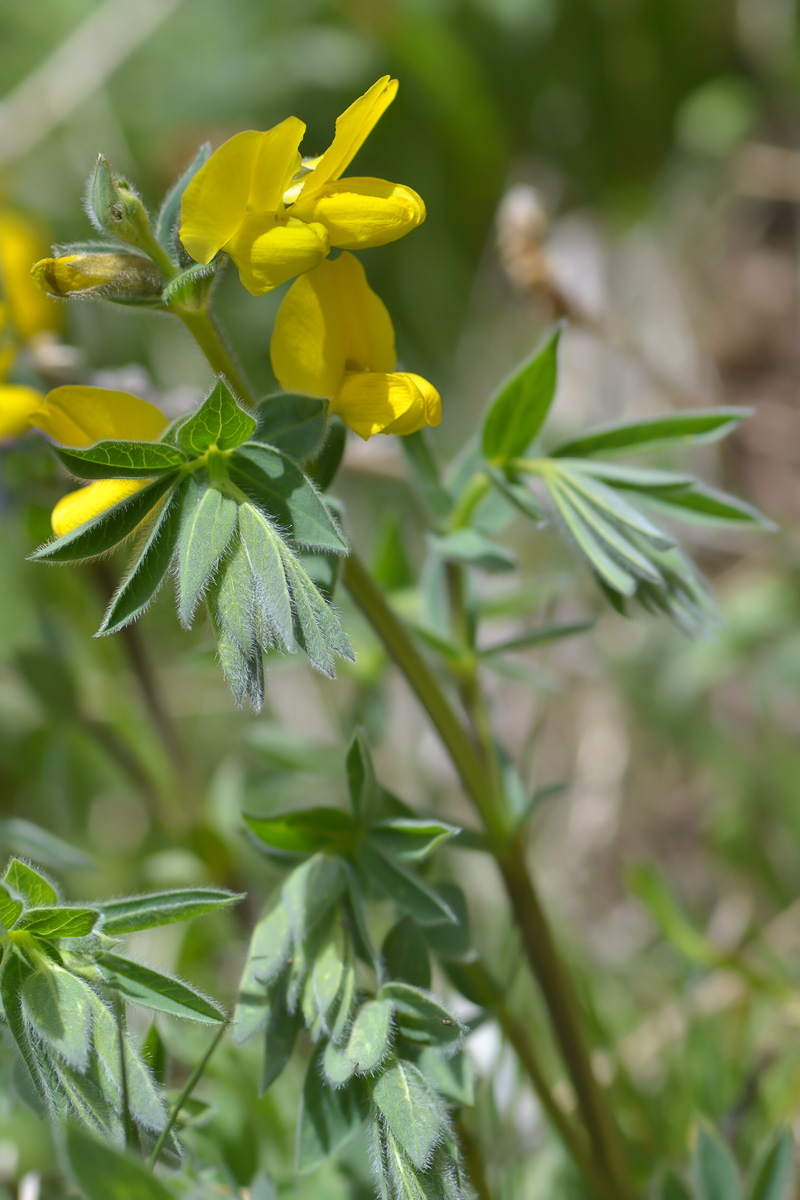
pixel 309 340
pixel 352 129
pixel 359 213
pixel 270 248
pixel 75 415
pixel 369 333
pixel 17 406
pixel 87 502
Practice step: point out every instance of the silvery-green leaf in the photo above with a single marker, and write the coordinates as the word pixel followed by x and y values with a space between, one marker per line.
pixel 155 990
pixel 105 531
pixel 411 1108
pixel 207 526
pixel 58 1009
pixel 369 1039
pixel 328 1116
pixel 421 1017
pixel 132 913
pixel 277 485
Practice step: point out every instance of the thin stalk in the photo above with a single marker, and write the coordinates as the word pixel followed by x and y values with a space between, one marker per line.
pixel 536 934
pixel 204 330
pixel 188 1088
pixel 474 1160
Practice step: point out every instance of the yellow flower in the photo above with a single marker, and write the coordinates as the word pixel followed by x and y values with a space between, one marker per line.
pixel 81 416
pixel 21 243
pixel 254 200
pixel 333 338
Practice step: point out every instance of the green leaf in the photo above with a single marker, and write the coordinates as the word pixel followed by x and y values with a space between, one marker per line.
pixel 412 1110
pixel 599 559
pixel 474 549
pixel 615 507
pixel 421 1018
pixel 407 1184
pixel 120 460
pixel 207 526
pixel 14 973
pixel 405 952
pixel 520 408
pixel 169 217
pixel 672 1187
pixel 347 995
pixel 716 1169
pixel 324 980
pixel 264 548
pixel 537 637
pixel 325 464
pixel 337 1065
pixel 316 626
pixel 425 472
pixel 311 891
pixel 233 600
pixel 517 494
pixel 144 1102
pixel 278 486
pixel 292 424
pixel 34 889
pixel 266 958
pixel 133 913
pixel 450 939
pixel 703 505
pixel 152 989
pixel 702 425
pixel 775 1174
pixel 411 839
pixel 219 421
pixel 618 545
pixel 407 891
pixel 328 1116
pixel 57 1007
pixel 149 566
pixel 450 1074
pixel 646 883
pixel 10 908
pixel 361 783
pixel 105 531
pixel 64 922
pixel 23 837
pixel 302 832
pixel 279 1039
pixel 104 1173
pixel 369 1038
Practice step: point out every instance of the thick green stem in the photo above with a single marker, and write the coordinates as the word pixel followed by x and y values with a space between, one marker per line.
pixel 203 329
pixel 536 934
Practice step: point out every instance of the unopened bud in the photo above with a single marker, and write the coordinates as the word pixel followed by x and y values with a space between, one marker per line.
pixel 115 276
pixel 115 208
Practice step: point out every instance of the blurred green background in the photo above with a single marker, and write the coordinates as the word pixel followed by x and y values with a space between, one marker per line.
pixel 659 137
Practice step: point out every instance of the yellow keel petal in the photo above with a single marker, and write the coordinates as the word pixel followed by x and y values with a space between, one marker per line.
pixel 360 213
pixel 373 402
pixel 75 508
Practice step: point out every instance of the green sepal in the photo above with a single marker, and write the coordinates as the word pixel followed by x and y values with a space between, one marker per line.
pixel 120 460
pixel 105 531
pixel 520 407
pixel 293 424
pixel 219 421
pixel 278 486
pixel 132 913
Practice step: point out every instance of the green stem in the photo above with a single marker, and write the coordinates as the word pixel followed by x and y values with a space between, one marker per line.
pixel 188 1088
pixel 469 500
pixel 536 934
pixel 204 330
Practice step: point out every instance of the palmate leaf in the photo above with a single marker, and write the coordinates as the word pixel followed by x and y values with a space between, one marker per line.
pixel 208 522
pixel 292 424
pixel 280 488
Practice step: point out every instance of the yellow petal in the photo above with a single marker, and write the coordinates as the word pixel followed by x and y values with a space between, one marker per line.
pixel 373 402
pixel 76 507
pixel 330 321
pixel 270 248
pixel 352 129
pixel 17 406
pixel 359 213
pixel 250 170
pixel 21 244
pixel 80 416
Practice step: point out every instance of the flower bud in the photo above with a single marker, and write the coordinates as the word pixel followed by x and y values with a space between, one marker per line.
pixel 115 276
pixel 115 208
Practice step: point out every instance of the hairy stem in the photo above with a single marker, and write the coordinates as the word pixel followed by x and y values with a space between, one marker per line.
pixel 203 329
pixel 536 934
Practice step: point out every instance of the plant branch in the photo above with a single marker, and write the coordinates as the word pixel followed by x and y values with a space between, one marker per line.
pixel 203 329
pixel 188 1088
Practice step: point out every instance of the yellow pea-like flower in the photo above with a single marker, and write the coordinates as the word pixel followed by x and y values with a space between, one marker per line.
pixel 276 219
pixel 333 338
pixel 21 243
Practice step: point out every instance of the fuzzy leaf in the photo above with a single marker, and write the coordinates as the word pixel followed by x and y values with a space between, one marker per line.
pixel 316 626
pixel 610 572
pixel 57 1007
pixel 369 1038
pixel 324 980
pixel 152 989
pixel 450 1075
pixel 337 1065
pixel 144 1102
pixel 266 958
pixel 264 548
pixel 10 908
pixel 279 1038
pixel 703 425
pixel 14 974
pixel 120 460
pixel 105 1173
pixel 219 421
pixel 132 913
pixel 615 507
pixel 30 885
pixel 64 922
pixel 207 526
pixel 106 530
pixel 405 952
pixel 407 891
pixel 421 1017
pixel 327 1119
pixel 520 408
pixel 311 891
pixel 292 424
pixel 411 1109
pixel 277 485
